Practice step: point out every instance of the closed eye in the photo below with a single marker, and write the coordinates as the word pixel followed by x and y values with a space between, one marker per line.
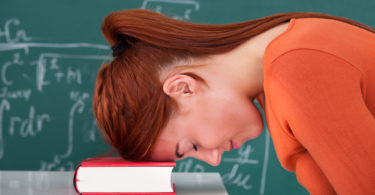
pixel 195 147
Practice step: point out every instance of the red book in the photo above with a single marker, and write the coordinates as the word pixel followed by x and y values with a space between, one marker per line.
pixel 113 175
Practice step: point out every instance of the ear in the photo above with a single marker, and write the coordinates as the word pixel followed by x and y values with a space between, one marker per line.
pixel 180 86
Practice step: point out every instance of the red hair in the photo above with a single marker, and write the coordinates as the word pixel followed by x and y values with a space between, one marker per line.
pixel 129 103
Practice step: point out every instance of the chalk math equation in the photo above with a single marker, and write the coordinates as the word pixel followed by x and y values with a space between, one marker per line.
pixel 45 92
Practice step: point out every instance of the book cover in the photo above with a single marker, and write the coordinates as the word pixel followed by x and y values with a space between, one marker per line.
pixel 113 175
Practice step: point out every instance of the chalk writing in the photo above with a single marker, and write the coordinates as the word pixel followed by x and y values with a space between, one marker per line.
pixel 21 41
pixel 26 126
pixel 188 166
pixel 243 180
pixel 90 134
pixel 72 75
pixel 57 164
pixel 6 65
pixel 3 73
pixel 243 156
pixel 16 94
pixel 41 73
pixel 77 108
pixel 4 106
pixel 18 36
pixel 236 178
pixel 188 7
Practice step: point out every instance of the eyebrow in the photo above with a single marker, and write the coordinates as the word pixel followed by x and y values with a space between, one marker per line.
pixel 177 154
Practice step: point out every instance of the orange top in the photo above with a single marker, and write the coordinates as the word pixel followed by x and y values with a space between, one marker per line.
pixel 319 87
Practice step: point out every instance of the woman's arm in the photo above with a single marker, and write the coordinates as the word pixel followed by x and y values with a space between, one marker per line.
pixel 321 98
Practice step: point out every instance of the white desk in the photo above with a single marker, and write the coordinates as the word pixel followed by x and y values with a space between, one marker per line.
pixel 61 183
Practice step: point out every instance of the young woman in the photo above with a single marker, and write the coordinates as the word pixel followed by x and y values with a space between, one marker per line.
pixel 176 89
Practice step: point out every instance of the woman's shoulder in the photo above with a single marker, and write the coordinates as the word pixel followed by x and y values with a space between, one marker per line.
pixel 328 35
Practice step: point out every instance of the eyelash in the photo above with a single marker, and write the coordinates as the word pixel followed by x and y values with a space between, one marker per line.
pixel 195 147
pixel 181 155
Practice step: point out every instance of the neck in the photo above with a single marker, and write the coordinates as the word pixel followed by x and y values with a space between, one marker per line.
pixel 241 70
pixel 246 62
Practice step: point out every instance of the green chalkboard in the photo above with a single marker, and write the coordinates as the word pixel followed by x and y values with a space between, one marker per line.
pixel 50 52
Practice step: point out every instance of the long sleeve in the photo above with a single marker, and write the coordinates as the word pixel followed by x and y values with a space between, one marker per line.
pixel 319 96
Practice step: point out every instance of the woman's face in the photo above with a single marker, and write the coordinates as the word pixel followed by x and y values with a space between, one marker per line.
pixel 212 119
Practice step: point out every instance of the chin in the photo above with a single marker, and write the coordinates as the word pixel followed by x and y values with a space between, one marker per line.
pixel 255 130
pixel 258 131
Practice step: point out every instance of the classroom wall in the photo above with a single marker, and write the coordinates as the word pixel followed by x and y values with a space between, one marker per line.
pixel 50 52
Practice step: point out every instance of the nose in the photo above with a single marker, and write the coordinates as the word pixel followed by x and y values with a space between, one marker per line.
pixel 211 156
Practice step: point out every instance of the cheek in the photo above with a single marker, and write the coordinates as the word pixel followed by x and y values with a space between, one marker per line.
pixel 244 118
pixel 212 126
pixel 252 121
pixel 208 132
pixel 209 135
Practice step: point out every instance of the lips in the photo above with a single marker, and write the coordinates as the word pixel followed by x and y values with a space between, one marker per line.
pixel 235 145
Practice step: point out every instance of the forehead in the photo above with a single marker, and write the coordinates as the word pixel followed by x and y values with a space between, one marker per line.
pixel 165 145
pixel 175 129
pixel 164 149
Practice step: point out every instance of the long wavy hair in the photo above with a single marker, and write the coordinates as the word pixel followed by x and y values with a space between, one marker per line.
pixel 128 102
